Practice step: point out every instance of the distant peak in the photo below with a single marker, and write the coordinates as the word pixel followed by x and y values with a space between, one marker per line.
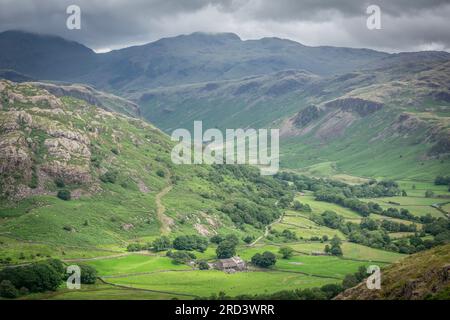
pixel 218 35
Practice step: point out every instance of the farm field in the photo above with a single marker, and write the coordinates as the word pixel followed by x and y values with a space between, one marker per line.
pixel 419 206
pixel 320 206
pixel 205 283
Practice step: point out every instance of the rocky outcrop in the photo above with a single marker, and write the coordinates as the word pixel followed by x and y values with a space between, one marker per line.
pixel 92 97
pixel 37 144
pixel 360 106
pixel 306 116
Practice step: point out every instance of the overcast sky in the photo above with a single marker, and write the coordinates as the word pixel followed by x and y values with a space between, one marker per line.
pixel 407 25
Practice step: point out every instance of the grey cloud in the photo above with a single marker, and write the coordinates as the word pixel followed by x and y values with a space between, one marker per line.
pixel 407 24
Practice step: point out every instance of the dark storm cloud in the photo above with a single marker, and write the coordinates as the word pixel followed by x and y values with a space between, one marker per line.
pixel 406 24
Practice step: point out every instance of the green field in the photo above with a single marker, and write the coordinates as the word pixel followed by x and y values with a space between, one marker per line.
pixel 320 206
pixel 134 264
pixel 205 283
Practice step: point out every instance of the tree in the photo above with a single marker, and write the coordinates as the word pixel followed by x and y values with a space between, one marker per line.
pixel 248 239
pixel 404 194
pixel 88 274
pixel 161 244
pixel 265 260
pixel 336 251
pixel 8 290
pixel 64 194
pixel 324 238
pixel 233 239
pixel 225 249
pixel 327 249
pixel 335 241
pixel 216 239
pixel 286 252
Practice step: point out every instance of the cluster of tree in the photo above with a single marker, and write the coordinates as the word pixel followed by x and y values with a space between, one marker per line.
pixel 162 244
pixel 264 260
pixel 403 214
pixel 286 235
pixel 133 247
pixel 245 211
pixel 298 206
pixel 38 277
pixel 393 226
pixel 256 201
pixel 442 181
pixel 180 257
pixel 355 204
pixel 371 189
pixel 35 277
pixel 368 232
pixel 190 243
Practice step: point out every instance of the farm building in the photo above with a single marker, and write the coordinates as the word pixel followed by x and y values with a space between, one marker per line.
pixel 231 265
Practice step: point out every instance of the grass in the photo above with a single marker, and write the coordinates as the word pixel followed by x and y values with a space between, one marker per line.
pixel 326 266
pixel 419 206
pixel 134 264
pixel 102 292
pixel 351 251
pixel 205 283
pixel 319 207
pixel 305 228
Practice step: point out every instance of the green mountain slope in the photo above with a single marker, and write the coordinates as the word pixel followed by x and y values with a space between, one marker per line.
pixel 118 170
pixel 424 275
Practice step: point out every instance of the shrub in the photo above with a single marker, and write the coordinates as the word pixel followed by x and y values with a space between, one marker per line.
pixel 161 173
pixel 64 194
pixel 59 182
pixel 203 265
pixel 8 290
pixel 109 177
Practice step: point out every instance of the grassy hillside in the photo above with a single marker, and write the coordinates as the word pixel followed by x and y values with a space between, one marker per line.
pixel 117 169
